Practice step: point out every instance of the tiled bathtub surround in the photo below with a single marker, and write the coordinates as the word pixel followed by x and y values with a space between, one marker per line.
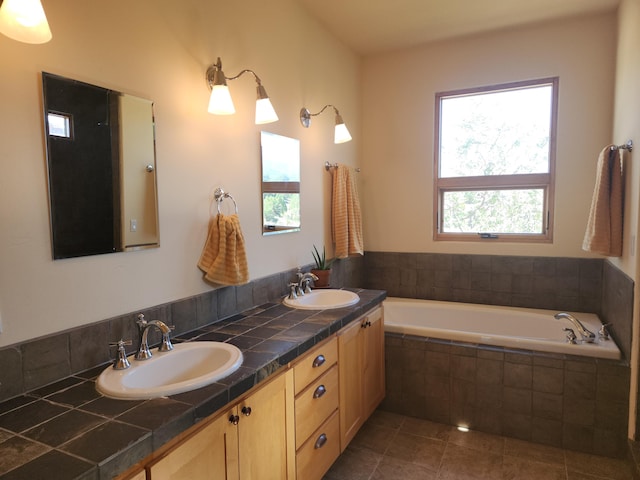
pixel 572 402
pixel 569 284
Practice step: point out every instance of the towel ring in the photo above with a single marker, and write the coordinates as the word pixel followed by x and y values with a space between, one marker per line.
pixel 219 195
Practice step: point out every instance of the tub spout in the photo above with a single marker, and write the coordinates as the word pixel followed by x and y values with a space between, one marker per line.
pixel 587 335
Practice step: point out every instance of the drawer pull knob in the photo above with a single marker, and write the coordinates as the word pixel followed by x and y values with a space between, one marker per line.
pixel 234 419
pixel 318 361
pixel 246 411
pixel 320 391
pixel 322 439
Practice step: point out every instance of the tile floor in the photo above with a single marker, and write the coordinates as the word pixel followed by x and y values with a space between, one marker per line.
pixel 392 446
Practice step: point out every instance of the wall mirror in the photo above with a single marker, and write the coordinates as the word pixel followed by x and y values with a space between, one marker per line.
pixel 280 183
pixel 101 169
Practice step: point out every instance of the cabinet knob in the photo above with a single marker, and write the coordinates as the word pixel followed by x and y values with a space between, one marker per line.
pixel 246 411
pixel 234 419
pixel 322 439
pixel 318 361
pixel 320 391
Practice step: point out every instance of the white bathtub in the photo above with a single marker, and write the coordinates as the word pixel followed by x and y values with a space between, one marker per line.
pixel 525 328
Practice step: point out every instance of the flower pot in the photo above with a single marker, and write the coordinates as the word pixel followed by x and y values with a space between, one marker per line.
pixel 323 278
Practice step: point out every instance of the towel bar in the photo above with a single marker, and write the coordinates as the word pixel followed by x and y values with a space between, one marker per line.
pixel 328 166
pixel 627 146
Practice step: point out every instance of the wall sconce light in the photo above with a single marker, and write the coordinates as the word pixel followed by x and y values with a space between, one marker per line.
pixel 341 134
pixel 220 102
pixel 24 21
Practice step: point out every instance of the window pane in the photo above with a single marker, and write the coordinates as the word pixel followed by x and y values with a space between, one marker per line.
pixel 496 133
pixel 493 211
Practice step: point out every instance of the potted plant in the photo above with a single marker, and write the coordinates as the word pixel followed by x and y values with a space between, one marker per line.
pixel 322 269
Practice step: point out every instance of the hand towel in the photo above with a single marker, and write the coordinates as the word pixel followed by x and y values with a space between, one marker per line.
pixel 604 227
pixel 211 245
pixel 346 218
pixel 224 258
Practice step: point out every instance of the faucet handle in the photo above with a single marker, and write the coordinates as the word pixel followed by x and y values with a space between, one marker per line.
pixel 165 344
pixel 141 320
pixel 571 336
pixel 121 362
pixel 604 331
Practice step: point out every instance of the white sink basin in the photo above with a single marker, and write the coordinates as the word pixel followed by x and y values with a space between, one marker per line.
pixel 187 367
pixel 323 299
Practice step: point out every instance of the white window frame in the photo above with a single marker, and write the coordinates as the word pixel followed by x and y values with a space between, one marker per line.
pixel 544 181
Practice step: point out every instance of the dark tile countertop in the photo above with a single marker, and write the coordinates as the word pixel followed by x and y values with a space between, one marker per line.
pixel 68 431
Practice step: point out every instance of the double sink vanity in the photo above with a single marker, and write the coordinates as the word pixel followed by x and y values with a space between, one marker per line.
pixel 188 366
pixel 281 400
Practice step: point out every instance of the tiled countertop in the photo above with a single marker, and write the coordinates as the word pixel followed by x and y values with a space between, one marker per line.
pixel 68 431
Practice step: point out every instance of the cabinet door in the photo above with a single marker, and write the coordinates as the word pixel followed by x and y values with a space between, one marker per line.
pixel 262 433
pixel 350 368
pixel 373 359
pixel 203 455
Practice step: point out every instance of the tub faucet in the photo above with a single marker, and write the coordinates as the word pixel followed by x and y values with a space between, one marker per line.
pixel 587 335
pixel 143 351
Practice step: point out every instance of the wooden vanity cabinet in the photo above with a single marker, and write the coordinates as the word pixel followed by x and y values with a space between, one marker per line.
pixel 317 426
pixel 247 441
pixel 292 427
pixel 361 366
pixel 210 452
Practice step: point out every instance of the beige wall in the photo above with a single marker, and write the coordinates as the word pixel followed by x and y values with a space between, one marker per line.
pixel 626 126
pixel 398 125
pixel 160 49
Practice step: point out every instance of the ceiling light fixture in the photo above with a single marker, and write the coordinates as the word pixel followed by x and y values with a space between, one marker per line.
pixel 220 102
pixel 24 21
pixel 341 134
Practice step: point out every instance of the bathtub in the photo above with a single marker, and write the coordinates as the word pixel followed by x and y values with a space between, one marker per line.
pixel 512 327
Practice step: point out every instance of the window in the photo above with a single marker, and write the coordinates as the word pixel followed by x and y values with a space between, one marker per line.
pixel 495 158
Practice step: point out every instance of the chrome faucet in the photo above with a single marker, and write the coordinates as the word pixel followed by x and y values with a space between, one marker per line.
pixel 303 282
pixel 587 335
pixel 143 351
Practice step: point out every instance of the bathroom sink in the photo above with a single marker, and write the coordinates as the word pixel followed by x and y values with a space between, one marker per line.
pixel 323 299
pixel 187 367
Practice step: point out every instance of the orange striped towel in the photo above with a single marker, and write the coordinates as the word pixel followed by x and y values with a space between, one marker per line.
pixel 346 218
pixel 224 258
pixel 604 227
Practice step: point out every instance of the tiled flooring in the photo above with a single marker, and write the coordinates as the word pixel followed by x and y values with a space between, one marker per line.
pixel 391 446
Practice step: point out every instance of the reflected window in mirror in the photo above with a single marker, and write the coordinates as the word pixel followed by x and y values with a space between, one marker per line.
pixel 101 169
pixel 280 183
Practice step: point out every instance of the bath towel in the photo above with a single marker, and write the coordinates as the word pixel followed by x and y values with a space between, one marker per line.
pixel 346 219
pixel 224 258
pixel 604 227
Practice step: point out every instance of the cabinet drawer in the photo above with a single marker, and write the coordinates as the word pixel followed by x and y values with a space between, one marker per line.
pixel 314 364
pixel 315 404
pixel 320 451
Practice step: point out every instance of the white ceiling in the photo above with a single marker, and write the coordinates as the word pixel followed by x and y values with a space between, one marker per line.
pixel 370 26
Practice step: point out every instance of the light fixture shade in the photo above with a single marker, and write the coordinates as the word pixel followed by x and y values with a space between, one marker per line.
pixel 265 112
pixel 341 134
pixel 24 21
pixel 220 102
